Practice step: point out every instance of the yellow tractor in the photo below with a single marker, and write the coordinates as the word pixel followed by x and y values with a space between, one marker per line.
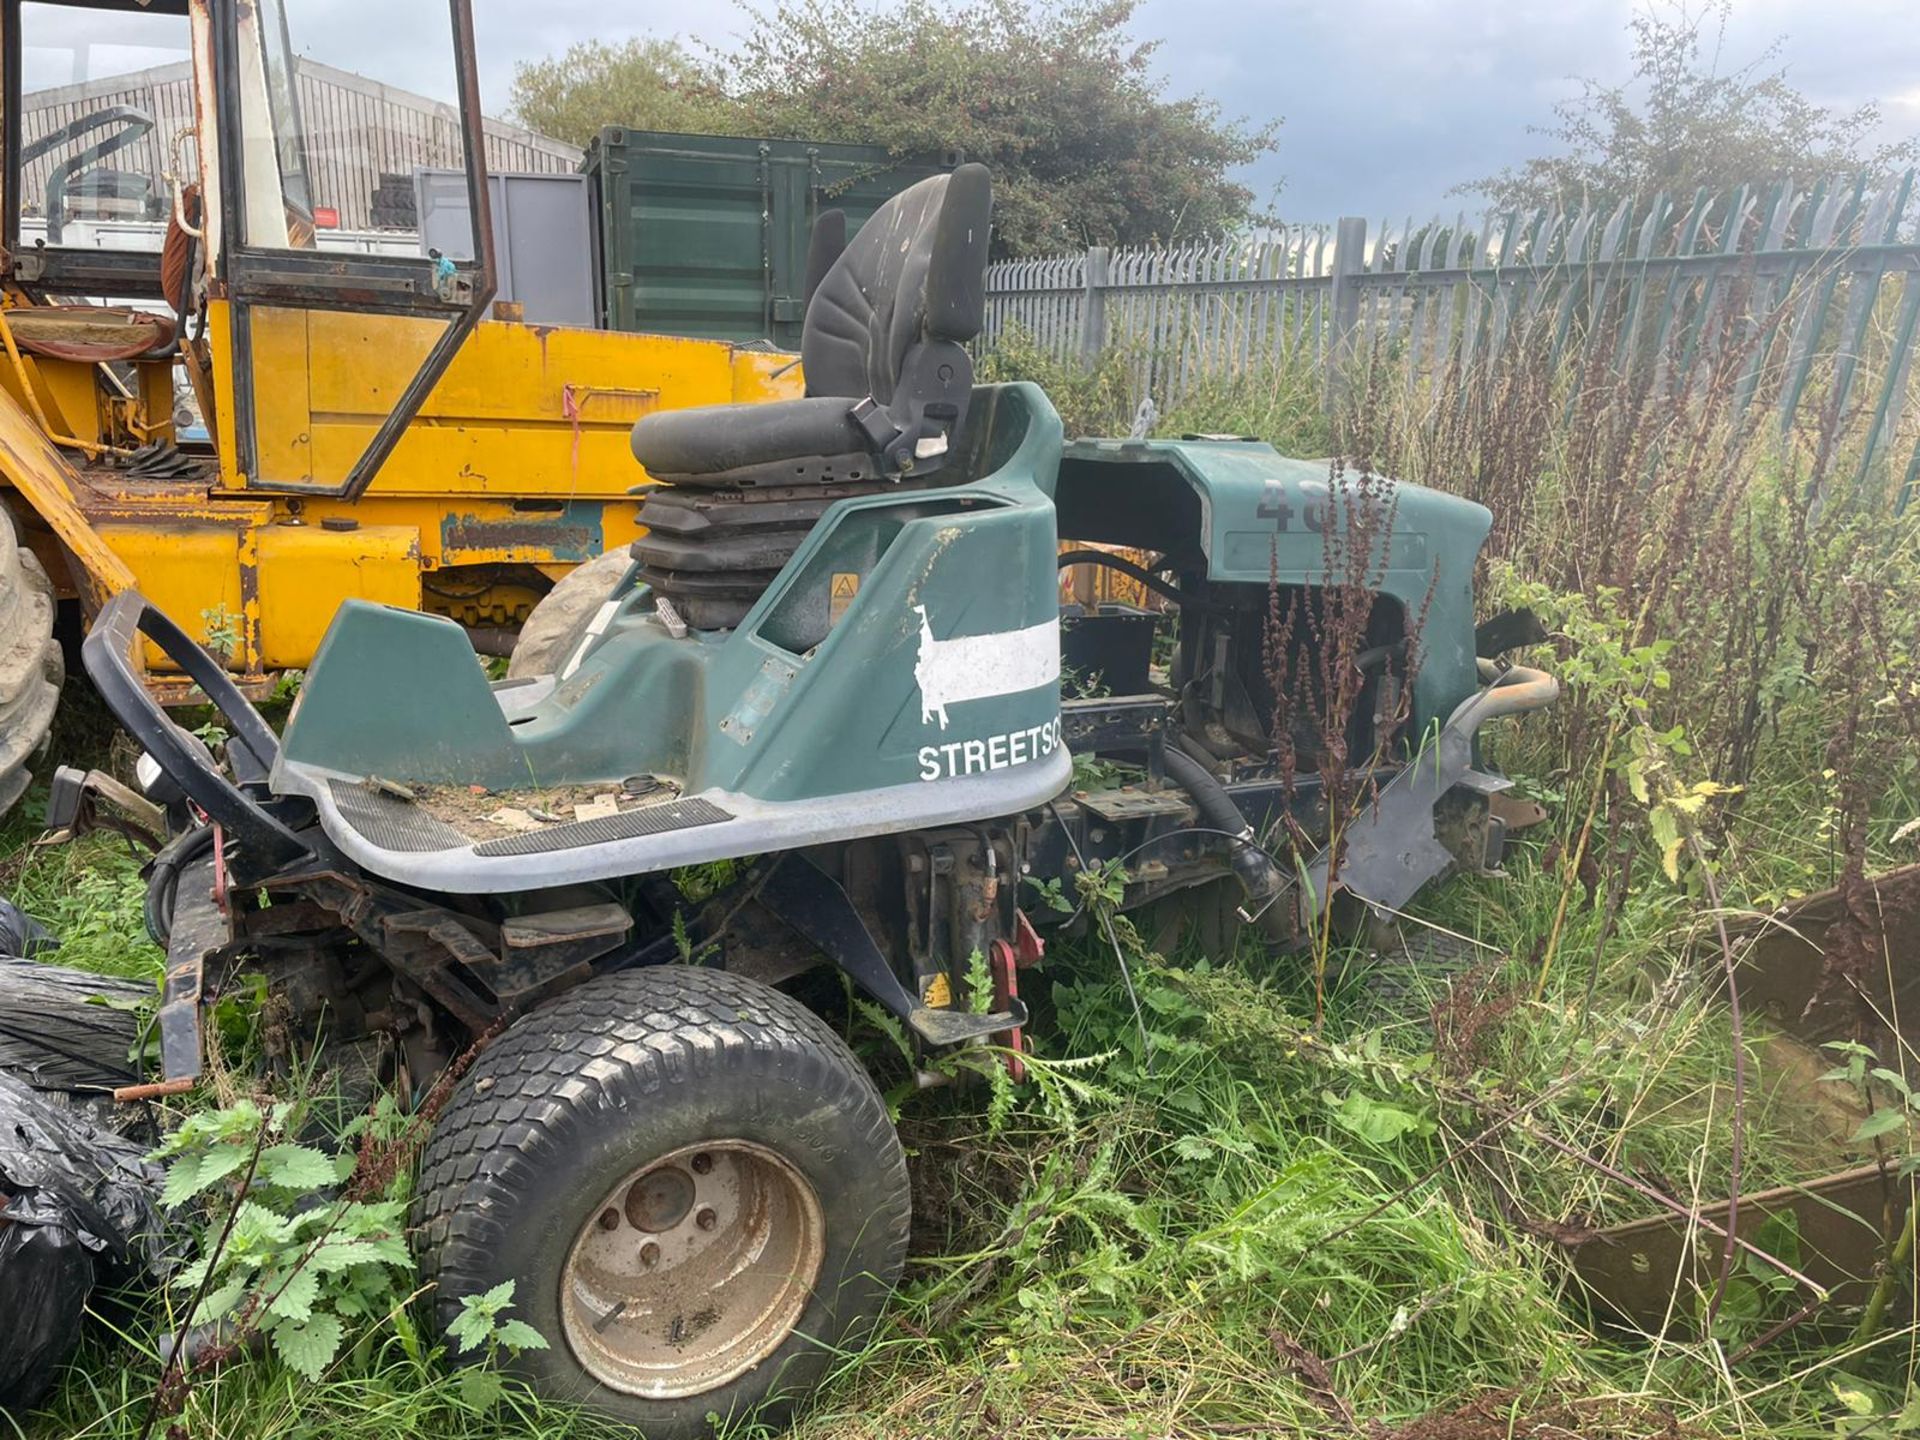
pixel 375 426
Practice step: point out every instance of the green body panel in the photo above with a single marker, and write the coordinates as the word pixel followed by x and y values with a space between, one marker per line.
pixel 391 687
pixel 706 235
pixel 799 702
pixel 1263 515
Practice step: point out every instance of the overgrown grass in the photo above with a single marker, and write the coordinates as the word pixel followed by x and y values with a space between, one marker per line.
pixel 1277 400
pixel 1237 1203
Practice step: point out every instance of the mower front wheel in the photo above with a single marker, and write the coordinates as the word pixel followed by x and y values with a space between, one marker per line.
pixel 693 1184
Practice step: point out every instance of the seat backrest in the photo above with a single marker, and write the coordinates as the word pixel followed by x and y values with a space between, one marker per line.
pixel 889 318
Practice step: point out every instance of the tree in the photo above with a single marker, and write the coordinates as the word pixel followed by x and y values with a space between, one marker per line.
pixel 1683 122
pixel 645 83
pixel 1055 95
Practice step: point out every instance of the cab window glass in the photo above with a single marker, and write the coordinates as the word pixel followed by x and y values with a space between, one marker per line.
pixel 325 143
pixel 106 107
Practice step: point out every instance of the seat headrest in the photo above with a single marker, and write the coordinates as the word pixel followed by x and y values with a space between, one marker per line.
pixel 915 272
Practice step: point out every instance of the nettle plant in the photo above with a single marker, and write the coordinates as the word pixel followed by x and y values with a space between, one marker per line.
pixel 480 1331
pixel 278 1256
pixel 1888 1123
pixel 304 1247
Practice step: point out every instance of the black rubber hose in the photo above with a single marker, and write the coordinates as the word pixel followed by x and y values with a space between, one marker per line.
pixel 1259 877
pixel 1203 750
pixel 163 877
pixel 1367 661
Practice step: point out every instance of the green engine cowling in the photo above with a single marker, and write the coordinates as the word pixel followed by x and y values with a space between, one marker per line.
pixel 1241 514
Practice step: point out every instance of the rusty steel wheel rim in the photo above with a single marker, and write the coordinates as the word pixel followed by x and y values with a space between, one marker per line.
pixel 692 1270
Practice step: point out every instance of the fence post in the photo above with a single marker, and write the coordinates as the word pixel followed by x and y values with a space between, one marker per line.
pixel 1349 261
pixel 1093 306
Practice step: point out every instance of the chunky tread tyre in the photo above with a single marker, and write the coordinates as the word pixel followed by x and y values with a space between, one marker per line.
pixel 31 668
pixel 562 612
pixel 623 1070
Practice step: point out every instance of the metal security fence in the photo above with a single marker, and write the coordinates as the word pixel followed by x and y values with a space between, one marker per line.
pixel 1796 295
pixel 1179 314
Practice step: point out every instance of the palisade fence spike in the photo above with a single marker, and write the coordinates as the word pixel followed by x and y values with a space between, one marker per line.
pixel 1907 486
pixel 1399 295
pixel 1250 265
pixel 1900 370
pixel 1881 226
pixel 1482 292
pixel 1634 280
pixel 1760 324
pixel 1452 299
pixel 1830 227
pixel 1697 364
pixel 1679 284
pixel 1542 269
pixel 1574 279
pixel 1417 304
pixel 1372 303
pixel 1260 309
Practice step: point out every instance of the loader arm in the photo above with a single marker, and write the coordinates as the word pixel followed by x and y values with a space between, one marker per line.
pixel 30 464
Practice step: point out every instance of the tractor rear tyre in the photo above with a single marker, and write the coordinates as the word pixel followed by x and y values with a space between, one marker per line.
pixel 31 668
pixel 694 1186
pixel 553 628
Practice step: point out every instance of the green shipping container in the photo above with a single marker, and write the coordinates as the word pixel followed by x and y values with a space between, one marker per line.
pixel 706 235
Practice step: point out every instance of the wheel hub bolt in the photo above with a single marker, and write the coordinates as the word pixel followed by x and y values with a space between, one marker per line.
pixel 609 1219
pixel 706 1219
pixel 702 1163
pixel 649 1254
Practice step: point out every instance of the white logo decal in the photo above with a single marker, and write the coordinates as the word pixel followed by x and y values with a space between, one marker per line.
pixel 995 752
pixel 979 667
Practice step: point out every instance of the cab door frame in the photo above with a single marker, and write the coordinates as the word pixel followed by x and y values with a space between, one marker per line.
pixel 249 276
pixel 55 269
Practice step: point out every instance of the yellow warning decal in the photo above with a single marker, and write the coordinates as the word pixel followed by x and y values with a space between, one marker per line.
pixel 846 585
pixel 939 994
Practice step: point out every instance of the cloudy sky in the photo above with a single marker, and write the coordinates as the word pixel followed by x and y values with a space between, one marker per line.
pixel 1387 104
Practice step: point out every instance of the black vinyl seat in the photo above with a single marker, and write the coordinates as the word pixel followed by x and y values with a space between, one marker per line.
pixel 715 443
pixel 888 382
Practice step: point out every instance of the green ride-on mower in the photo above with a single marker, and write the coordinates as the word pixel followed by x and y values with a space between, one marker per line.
pixel 834 662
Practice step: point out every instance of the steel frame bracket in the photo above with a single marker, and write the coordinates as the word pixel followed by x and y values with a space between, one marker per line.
pixel 815 905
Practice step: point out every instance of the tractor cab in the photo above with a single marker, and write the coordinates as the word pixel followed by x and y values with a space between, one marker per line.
pixel 238 374
pixel 163 189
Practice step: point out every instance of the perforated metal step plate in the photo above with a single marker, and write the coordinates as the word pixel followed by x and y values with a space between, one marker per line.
pixel 392 823
pixel 628 825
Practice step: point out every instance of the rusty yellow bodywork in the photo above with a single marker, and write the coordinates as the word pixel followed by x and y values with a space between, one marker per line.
pixel 515 470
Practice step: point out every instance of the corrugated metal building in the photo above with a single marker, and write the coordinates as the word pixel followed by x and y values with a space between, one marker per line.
pixel 357 129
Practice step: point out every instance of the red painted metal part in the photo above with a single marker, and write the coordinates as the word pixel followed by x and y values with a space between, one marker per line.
pixel 220 869
pixel 1028 948
pixel 1004 963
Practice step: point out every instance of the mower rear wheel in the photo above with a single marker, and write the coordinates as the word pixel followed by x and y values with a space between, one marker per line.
pixel 31 668
pixel 554 625
pixel 694 1185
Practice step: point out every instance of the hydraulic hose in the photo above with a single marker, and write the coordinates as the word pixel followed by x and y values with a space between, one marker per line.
pixel 1512 691
pixel 1260 879
pixel 163 878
